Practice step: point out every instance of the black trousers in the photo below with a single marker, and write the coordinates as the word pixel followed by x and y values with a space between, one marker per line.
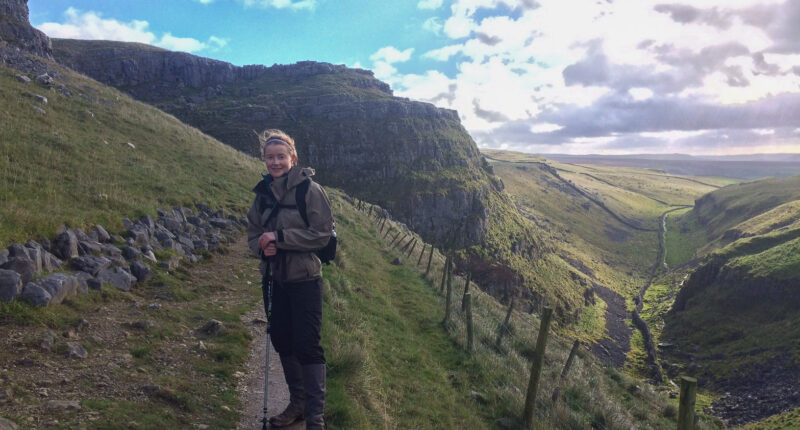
pixel 296 320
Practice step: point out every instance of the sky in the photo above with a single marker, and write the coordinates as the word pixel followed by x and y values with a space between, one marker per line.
pixel 702 77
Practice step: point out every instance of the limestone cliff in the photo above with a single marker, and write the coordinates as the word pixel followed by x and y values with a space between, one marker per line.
pixel 17 33
pixel 411 157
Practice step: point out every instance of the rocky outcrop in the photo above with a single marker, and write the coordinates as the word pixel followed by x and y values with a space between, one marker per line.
pixel 17 32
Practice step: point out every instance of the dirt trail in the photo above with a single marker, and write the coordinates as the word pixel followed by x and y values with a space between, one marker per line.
pixel 251 387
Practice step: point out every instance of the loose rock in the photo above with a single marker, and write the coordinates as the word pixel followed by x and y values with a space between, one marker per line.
pixel 75 350
pixel 10 285
pixel 212 327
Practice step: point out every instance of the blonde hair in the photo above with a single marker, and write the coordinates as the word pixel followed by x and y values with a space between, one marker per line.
pixel 273 136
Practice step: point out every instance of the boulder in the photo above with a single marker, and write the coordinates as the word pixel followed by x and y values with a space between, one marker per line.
pixel 149 255
pixel 35 295
pixel 102 234
pixel 59 285
pixel 220 222
pixel 17 250
pixel 10 285
pixel 90 264
pixel 3 257
pixel 36 255
pixel 148 222
pixel 45 79
pixel 22 265
pixel 117 277
pixel 50 262
pixel 170 264
pixel 212 327
pixel 76 350
pixel 39 110
pixel 65 246
pixel 89 247
pixel 130 253
pixel 139 234
pixel 94 284
pixel 48 340
pixel 22 78
pixel 83 281
pixel 141 271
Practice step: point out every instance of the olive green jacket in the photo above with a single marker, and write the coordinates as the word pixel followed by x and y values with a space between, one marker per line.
pixel 296 241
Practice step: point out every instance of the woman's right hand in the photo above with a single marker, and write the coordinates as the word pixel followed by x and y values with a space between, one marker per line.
pixel 266 239
pixel 270 250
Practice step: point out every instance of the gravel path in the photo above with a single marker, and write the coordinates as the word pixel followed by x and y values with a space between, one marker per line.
pixel 251 387
pixel 614 348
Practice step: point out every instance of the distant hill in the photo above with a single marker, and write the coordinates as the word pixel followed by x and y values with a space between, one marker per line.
pixel 736 166
pixel 736 319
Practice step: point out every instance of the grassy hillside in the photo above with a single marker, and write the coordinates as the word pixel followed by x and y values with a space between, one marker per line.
pixel 74 165
pixel 392 363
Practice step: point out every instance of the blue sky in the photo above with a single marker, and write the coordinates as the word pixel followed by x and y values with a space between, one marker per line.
pixel 543 76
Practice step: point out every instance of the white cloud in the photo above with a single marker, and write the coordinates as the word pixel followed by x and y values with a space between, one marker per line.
pixel 390 54
pixel 92 26
pixel 443 54
pixel 282 4
pixel 429 4
pixel 204 1
pixel 433 24
pixel 545 127
pixel 640 94
pixel 457 27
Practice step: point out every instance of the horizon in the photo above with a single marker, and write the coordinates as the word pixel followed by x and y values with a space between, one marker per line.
pixel 710 78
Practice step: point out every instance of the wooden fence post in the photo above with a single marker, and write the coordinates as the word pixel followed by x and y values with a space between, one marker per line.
pixel 370 211
pixel 422 253
pixel 570 359
pixel 388 231
pixel 404 247
pixel 395 238
pixel 468 302
pixel 504 326
pixel 449 296
pixel 686 406
pixel 536 367
pixel 466 292
pixel 444 272
pixel 430 259
pixel 413 247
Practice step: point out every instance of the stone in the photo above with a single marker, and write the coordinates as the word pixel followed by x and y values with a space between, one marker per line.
pixel 22 265
pixel 48 340
pixel 186 243
pixel 154 306
pixel 170 264
pixel 65 246
pixel 171 224
pixel 505 423
pixel 45 79
pixel 94 284
pixel 150 256
pixel 397 261
pixel 83 281
pixel 117 277
pixel 479 397
pixel 35 295
pixel 139 234
pixel 102 234
pixel 141 271
pixel 75 350
pixel 130 253
pixel 17 250
pixel 219 222
pixel 35 254
pixel 143 324
pixel 50 262
pixel 3 257
pixel 90 264
pixel 62 405
pixel 200 244
pixel 194 220
pixel 6 424
pixel 10 285
pixel 40 98
pixel 59 285
pixel 148 222
pixel 89 247
pixel 212 327
pixel 39 110
pixel 22 78
pixel 111 251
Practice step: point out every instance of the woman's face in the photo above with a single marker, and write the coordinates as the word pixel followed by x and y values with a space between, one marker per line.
pixel 278 159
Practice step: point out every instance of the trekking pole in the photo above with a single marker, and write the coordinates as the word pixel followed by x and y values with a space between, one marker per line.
pixel 266 290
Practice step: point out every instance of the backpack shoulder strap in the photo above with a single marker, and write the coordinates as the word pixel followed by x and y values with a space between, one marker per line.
pixel 300 199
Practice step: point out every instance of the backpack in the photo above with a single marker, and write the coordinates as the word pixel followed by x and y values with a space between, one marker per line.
pixel 327 253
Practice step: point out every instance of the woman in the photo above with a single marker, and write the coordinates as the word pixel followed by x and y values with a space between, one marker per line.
pixel 278 233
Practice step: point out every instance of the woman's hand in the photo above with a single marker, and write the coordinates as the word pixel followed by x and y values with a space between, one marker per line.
pixel 270 250
pixel 266 239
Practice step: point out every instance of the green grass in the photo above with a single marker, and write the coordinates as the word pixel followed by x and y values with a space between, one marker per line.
pixel 393 364
pixel 785 421
pixel 74 167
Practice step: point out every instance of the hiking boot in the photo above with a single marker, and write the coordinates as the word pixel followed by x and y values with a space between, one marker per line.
pixel 293 373
pixel 314 381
